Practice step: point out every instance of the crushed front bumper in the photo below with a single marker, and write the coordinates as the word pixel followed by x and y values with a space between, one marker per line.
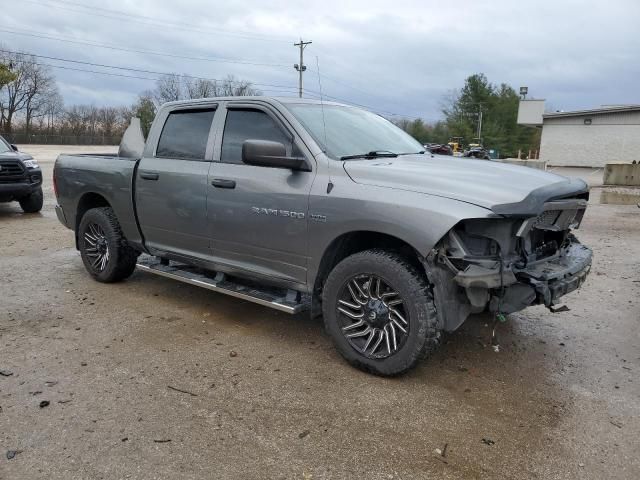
pixel 541 282
pixel 554 278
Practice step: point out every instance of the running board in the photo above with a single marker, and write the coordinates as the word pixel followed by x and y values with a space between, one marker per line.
pixel 289 301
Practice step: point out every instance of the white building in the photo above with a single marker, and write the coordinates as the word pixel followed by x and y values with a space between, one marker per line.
pixel 585 138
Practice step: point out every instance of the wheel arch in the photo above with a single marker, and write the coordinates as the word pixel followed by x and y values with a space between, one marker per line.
pixel 352 242
pixel 86 202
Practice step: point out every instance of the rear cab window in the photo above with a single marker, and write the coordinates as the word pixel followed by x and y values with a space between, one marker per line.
pixel 185 134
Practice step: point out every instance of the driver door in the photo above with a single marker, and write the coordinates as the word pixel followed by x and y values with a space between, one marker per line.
pixel 258 216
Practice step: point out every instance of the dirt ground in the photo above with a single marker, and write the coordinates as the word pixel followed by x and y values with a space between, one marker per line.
pixel 154 379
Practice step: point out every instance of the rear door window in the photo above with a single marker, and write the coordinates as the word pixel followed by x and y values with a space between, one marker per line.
pixel 244 125
pixel 185 134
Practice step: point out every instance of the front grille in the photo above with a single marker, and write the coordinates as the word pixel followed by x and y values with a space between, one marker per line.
pixel 560 215
pixel 556 219
pixel 11 169
pixel 546 219
pixel 545 234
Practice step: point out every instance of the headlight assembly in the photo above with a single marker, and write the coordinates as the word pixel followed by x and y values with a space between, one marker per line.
pixel 30 163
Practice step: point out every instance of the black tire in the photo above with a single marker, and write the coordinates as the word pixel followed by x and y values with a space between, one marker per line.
pixel 32 203
pixel 418 305
pixel 121 258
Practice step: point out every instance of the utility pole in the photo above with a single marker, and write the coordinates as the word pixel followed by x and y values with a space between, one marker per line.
pixel 301 67
pixel 480 124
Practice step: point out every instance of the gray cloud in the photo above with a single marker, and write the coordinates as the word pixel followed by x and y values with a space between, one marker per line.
pixel 400 57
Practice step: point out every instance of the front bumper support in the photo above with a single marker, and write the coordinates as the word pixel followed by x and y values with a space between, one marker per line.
pixel 564 274
pixel 541 282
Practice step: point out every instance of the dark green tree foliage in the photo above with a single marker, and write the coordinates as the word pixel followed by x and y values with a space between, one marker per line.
pixel 424 132
pixel 499 106
pixel 6 75
pixel 145 110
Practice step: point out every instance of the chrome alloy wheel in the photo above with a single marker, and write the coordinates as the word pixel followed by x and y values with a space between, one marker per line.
pixel 373 317
pixel 97 246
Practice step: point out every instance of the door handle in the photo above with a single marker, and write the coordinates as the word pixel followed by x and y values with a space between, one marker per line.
pixel 149 175
pixel 223 183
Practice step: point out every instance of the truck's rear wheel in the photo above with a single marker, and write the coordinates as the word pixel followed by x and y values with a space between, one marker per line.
pixel 380 313
pixel 103 248
pixel 33 202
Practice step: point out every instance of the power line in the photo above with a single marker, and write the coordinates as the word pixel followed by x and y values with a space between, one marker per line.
pixel 155 19
pixel 146 20
pixel 147 52
pixel 308 93
pixel 139 70
pixel 122 75
pixel 274 88
pixel 368 107
pixel 339 82
pixel 118 15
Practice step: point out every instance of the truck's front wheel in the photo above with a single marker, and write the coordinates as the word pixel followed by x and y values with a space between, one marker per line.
pixel 103 248
pixel 33 202
pixel 380 313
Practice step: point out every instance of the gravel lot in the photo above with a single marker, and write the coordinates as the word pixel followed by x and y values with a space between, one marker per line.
pixel 155 379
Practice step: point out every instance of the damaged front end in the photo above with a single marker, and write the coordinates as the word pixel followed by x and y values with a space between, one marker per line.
pixel 507 263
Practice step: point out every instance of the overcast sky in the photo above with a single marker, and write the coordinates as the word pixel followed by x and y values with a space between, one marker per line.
pixel 401 57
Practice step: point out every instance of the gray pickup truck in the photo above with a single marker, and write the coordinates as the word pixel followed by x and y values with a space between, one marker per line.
pixel 297 204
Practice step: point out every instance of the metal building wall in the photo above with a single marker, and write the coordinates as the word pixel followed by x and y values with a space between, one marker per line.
pixel 611 137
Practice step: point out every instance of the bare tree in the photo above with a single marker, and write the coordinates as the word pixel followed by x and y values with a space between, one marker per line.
pixel 231 87
pixel 108 118
pixel 30 90
pixel 200 88
pixel 54 110
pixel 15 95
pixel 168 89
pixel 41 88
pixel 174 87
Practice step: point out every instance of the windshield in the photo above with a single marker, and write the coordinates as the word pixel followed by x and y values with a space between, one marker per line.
pixel 352 131
pixel 4 146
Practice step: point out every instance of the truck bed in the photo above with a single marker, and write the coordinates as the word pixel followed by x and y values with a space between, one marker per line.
pixel 78 177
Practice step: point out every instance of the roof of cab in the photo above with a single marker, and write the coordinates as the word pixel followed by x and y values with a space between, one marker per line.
pixel 267 99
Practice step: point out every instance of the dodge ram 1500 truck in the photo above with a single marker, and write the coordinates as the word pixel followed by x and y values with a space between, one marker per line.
pixel 20 178
pixel 297 204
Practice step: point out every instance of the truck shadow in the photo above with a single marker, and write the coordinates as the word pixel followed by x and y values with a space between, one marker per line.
pixel 524 345
pixel 462 393
pixel 13 210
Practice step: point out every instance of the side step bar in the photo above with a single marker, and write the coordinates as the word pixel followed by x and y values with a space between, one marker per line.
pixel 288 301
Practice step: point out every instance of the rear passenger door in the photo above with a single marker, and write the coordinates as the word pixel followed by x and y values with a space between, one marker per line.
pixel 258 215
pixel 171 185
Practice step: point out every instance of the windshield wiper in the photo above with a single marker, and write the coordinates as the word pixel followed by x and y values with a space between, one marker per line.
pixel 421 152
pixel 373 154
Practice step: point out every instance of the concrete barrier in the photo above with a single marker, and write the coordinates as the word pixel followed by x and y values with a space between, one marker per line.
pixel 621 174
pixel 539 164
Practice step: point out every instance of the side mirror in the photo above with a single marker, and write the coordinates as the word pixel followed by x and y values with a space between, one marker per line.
pixel 264 153
pixel 14 147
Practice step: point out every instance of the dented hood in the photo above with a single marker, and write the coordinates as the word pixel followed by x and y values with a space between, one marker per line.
pixel 505 189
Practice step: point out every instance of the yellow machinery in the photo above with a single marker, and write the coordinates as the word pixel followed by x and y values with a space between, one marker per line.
pixel 456 144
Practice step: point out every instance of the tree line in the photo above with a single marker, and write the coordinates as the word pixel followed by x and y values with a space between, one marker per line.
pixel 32 109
